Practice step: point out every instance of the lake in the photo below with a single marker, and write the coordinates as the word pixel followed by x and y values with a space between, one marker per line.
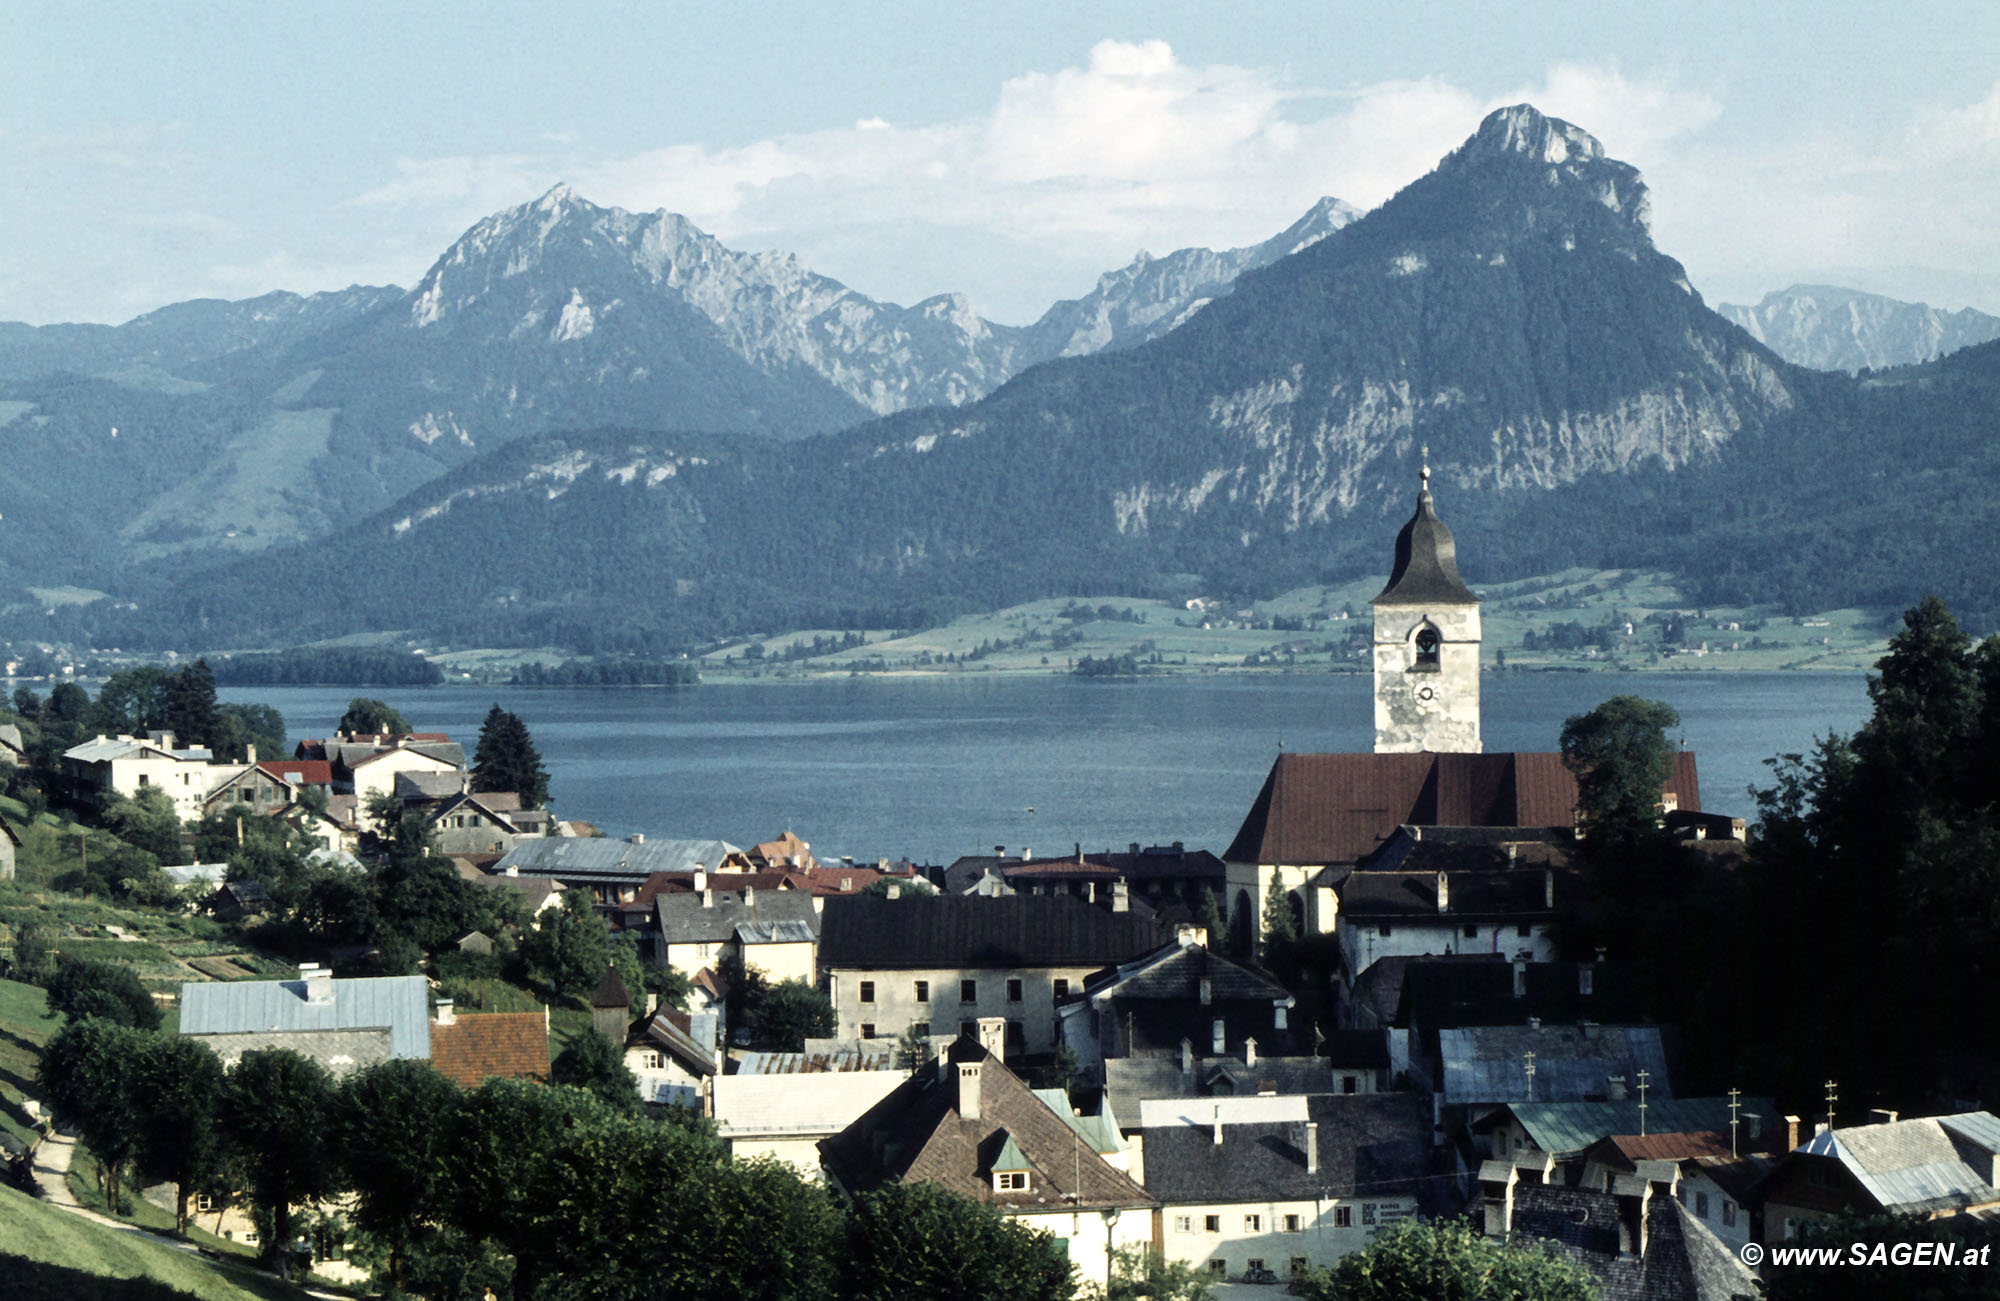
pixel 934 767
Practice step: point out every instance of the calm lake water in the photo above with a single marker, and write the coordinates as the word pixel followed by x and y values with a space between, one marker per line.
pixel 932 768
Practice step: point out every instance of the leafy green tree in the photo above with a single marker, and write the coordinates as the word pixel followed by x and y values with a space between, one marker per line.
pixel 192 713
pixel 791 1013
pixel 1141 1274
pixel 178 1096
pixel 920 1240
pixel 1447 1261
pixel 1280 932
pixel 68 703
pixel 594 1064
pixel 32 951
pixel 372 717
pixel 570 945
pixel 88 1074
pixel 274 1114
pixel 238 727
pixel 506 759
pixel 393 1132
pixel 145 821
pixel 1621 757
pixel 133 702
pixel 110 991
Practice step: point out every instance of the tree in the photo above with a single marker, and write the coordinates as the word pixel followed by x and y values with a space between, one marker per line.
pixel 274 1114
pixel 146 821
pixel 1141 1274
pixel 791 1013
pixel 372 718
pixel 506 759
pixel 1280 931
pixel 1873 1276
pixel 393 1126
pixel 88 1072
pixel 921 1240
pixel 570 945
pixel 192 713
pixel 109 991
pixel 1447 1261
pixel 594 1064
pixel 179 1103
pixel 238 727
pixel 1621 757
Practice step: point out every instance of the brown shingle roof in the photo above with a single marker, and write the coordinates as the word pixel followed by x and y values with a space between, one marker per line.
pixel 1336 808
pixel 918 1134
pixel 511 1045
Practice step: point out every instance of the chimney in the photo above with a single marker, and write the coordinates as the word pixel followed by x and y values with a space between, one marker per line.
pixel 968 1090
pixel 1586 978
pixel 700 878
pixel 1187 1057
pixel 1215 1123
pixel 1513 854
pixel 250 755
pixel 1548 887
pixel 636 838
pixel 749 897
pixel 1207 992
pixel 1791 1133
pixel 1881 1116
pixel 1135 849
pixel 1312 1147
pixel 1249 1052
pixel 708 898
pixel 1218 1035
pixel 895 891
pixel 1079 853
pixel 1121 896
pixel 1520 978
pixel 999 851
pixel 1500 1205
pixel 1444 892
pixel 1614 1087
pixel 1534 1023
pixel 444 1016
pixel 1026 853
pixel 1278 1006
pixel 993 1036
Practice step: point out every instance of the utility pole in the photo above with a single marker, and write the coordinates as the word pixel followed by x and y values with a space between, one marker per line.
pixel 1644 1075
pixel 1528 1065
pixel 1832 1095
pixel 1734 1106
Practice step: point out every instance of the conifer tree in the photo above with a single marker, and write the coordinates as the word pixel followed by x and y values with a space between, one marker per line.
pixel 506 759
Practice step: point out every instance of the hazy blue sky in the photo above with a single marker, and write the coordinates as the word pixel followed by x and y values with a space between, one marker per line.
pixel 155 151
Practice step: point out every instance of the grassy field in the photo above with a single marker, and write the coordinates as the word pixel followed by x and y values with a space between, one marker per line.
pixel 23 1031
pixel 52 1255
pixel 1632 620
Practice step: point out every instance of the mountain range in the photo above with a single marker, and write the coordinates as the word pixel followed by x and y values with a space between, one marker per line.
pixel 502 455
pixel 1829 328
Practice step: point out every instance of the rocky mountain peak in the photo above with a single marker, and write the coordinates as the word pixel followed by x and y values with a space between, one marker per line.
pixel 1551 175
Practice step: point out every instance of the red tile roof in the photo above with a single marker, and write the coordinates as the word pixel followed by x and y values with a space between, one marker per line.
pixel 511 1045
pixel 300 772
pixel 1336 808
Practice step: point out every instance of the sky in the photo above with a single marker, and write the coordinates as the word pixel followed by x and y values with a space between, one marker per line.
pixel 1010 152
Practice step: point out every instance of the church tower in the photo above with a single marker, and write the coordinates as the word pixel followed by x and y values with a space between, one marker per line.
pixel 1426 643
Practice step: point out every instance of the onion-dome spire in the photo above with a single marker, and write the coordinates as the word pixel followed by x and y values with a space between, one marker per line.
pixel 1426 571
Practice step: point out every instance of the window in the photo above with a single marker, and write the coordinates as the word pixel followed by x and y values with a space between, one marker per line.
pixel 1701 1205
pixel 1211 1224
pixel 1428 644
pixel 1218 1267
pixel 1293 1224
pixel 867 991
pixel 1011 1181
pixel 920 1029
pixel 1061 987
pixel 1017 1037
pixel 1348 1084
pixel 968 1029
pixel 1253 1224
pixel 1728 1214
pixel 144 780
pixel 1471 932
pixel 1254 1264
pixel 1383 932
pixel 1298 1266
pixel 652 1061
pixel 1343 1217
pixel 1184 1224
pixel 205 1204
pixel 923 991
pixel 1013 991
pixel 968 991
pixel 867 1029
pixel 1523 930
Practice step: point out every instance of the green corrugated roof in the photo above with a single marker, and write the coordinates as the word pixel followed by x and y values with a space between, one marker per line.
pixel 1566 1128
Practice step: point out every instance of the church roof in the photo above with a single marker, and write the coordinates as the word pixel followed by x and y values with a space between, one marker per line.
pixel 1337 808
pixel 1426 571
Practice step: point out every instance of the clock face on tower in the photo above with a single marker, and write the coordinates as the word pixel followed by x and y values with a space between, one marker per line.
pixel 1425 695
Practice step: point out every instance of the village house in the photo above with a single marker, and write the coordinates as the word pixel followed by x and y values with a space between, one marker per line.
pixel 1170 877
pixel 965 1122
pixel 10 845
pixel 1179 1000
pixel 669 1060
pixel 1282 1182
pixel 1719 1186
pixel 12 752
pixel 99 769
pixel 934 965
pixel 781 1105
pixel 611 870
pixel 1930 1167
pixel 774 931
pixel 1562 1135
pixel 470 1050
pixel 342 1024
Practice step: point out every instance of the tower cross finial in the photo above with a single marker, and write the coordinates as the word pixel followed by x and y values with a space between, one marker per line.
pixel 1426 472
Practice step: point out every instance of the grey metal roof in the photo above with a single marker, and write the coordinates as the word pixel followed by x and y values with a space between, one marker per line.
pixel 1563 1128
pixel 101 749
pixel 1914 1165
pixel 845 1057
pixel 686 919
pixel 595 858
pixel 1572 1063
pixel 206 873
pixel 398 1003
pixel 774 932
